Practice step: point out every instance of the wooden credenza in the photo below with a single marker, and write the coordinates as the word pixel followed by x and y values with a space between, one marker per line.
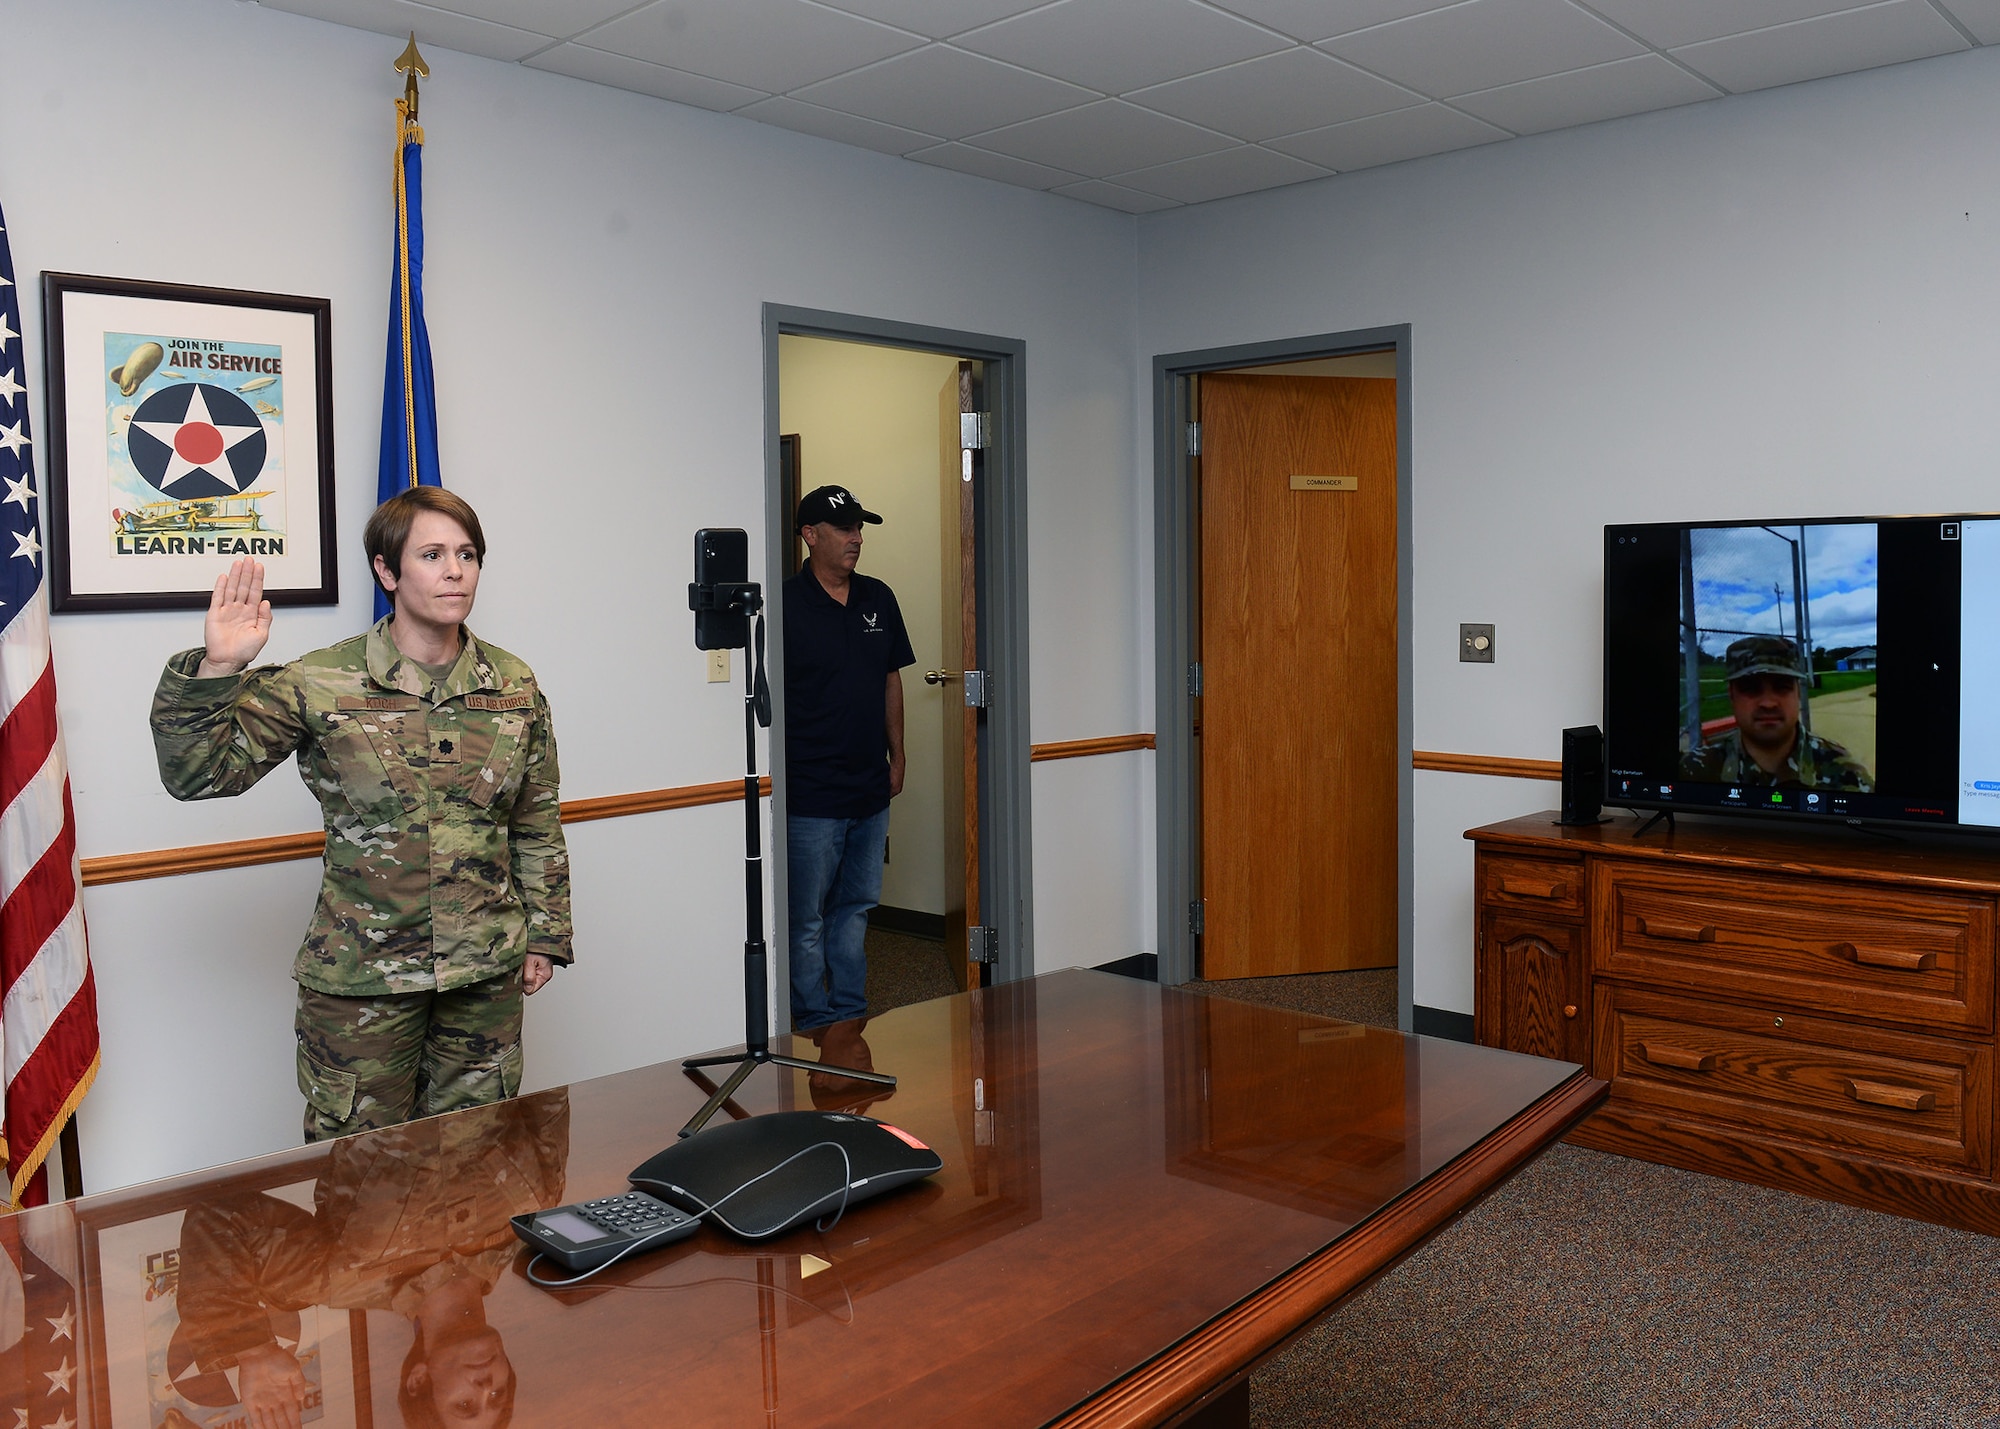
pixel 1811 1010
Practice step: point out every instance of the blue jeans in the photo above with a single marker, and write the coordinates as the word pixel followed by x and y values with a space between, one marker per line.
pixel 834 872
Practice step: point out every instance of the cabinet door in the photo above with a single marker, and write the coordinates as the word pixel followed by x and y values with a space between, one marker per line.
pixel 1532 988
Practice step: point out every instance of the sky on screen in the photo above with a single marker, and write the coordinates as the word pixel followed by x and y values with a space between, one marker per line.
pixel 1737 567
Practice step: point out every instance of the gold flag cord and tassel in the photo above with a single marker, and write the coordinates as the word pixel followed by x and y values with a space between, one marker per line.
pixel 411 65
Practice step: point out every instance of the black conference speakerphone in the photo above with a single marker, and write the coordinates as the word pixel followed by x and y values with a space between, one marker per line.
pixel 588 1234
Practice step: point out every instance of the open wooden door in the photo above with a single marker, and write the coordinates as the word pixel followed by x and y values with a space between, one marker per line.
pixel 1298 674
pixel 958 592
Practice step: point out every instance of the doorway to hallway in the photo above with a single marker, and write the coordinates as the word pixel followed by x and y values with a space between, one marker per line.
pixel 922 427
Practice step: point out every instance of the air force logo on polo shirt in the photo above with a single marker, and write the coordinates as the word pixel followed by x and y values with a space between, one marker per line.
pixel 872 620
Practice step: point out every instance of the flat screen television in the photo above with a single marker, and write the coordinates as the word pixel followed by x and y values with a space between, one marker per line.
pixel 1839 669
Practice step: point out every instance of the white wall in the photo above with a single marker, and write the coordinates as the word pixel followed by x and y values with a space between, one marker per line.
pixel 597 265
pixel 870 418
pixel 1771 305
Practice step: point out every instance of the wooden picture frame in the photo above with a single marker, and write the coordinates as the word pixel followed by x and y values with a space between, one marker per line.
pixel 187 427
pixel 130 1248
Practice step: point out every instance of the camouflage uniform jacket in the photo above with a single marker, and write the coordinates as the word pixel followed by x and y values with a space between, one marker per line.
pixel 1814 763
pixel 395 1214
pixel 445 862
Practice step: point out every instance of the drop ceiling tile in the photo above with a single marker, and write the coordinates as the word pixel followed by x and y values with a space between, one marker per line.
pixel 939 19
pixel 1002 168
pixel 789 113
pixel 1981 17
pixel 1108 137
pixel 734 40
pixel 1483 44
pixel 1583 96
pixel 1222 175
pixel 1836 44
pixel 1116 45
pixel 560 18
pixel 1311 20
pixel 433 27
pixel 1117 196
pixel 945 91
pixel 1388 138
pixel 623 72
pixel 1295 89
pixel 1668 23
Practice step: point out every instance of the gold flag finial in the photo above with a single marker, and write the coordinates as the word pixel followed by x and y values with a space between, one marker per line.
pixel 411 64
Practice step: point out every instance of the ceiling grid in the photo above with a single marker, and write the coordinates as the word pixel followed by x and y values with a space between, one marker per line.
pixel 1144 105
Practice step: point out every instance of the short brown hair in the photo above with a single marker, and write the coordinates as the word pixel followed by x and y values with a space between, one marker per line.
pixel 389 527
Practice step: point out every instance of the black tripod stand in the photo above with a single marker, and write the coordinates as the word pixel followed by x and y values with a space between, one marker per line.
pixel 746 600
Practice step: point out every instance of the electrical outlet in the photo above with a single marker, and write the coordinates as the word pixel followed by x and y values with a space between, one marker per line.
pixel 1475 643
pixel 718 667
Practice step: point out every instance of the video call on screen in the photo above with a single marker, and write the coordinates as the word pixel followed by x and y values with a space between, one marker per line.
pixel 1845 668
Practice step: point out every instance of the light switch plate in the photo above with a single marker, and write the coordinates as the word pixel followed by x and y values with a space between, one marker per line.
pixel 718 667
pixel 1475 643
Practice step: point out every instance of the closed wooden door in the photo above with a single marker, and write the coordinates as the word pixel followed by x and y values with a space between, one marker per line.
pixel 1298 711
pixel 959 474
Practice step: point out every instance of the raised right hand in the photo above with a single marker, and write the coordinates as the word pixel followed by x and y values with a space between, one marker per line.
pixel 239 620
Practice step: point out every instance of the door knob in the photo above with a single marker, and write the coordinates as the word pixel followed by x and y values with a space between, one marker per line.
pixel 939 677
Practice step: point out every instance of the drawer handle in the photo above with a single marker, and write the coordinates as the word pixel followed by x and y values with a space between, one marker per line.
pixel 1679 932
pixel 1899 958
pixel 1901 1098
pixel 1677 1057
pixel 1533 888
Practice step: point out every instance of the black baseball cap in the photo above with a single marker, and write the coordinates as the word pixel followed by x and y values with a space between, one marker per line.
pixel 836 506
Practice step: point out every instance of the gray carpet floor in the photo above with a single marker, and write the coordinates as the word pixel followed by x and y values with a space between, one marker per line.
pixel 903 968
pixel 1597 1290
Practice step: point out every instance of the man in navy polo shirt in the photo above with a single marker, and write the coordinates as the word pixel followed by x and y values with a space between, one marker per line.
pixel 845 647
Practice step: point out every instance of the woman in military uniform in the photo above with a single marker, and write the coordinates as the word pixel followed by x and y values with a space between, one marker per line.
pixel 446 888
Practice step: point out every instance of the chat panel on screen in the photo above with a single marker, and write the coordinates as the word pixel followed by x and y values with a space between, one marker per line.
pixel 1979 674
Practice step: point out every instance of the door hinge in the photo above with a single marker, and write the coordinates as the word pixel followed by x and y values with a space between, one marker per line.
pixel 1198 916
pixel 977 692
pixel 975 431
pixel 1194 438
pixel 1194 680
pixel 982 944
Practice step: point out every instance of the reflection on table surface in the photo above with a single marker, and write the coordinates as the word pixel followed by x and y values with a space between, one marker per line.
pixel 1122 1164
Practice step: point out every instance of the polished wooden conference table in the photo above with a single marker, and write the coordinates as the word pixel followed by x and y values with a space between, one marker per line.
pixel 1144 1192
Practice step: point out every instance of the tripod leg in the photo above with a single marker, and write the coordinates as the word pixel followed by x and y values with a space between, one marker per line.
pixel 833 1067
pixel 722 1094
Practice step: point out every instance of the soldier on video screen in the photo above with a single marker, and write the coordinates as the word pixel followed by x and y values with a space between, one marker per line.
pixel 1768 744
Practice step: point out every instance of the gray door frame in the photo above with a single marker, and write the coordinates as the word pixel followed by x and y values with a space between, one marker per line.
pixel 1006 884
pixel 1175 640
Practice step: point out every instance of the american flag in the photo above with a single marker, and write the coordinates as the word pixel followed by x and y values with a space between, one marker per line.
pixel 48 1001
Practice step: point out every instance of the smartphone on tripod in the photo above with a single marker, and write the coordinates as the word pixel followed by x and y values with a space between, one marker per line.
pixel 721 571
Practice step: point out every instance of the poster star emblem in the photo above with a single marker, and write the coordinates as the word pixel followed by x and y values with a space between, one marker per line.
pixel 194 439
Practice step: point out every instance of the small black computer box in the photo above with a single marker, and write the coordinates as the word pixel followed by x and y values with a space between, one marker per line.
pixel 765 1174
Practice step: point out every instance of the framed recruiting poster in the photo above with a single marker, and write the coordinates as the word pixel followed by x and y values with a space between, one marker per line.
pixel 187 427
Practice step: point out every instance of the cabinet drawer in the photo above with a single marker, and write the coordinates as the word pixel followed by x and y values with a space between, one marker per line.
pixel 1854 949
pixel 1548 885
pixel 1836 1084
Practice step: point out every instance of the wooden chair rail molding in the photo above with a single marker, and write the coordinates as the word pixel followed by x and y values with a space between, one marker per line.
pixel 202 858
pixel 1494 764
pixel 1077 748
pixel 283 848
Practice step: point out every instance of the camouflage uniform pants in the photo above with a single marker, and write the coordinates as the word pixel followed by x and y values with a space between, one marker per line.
pixel 371 1062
